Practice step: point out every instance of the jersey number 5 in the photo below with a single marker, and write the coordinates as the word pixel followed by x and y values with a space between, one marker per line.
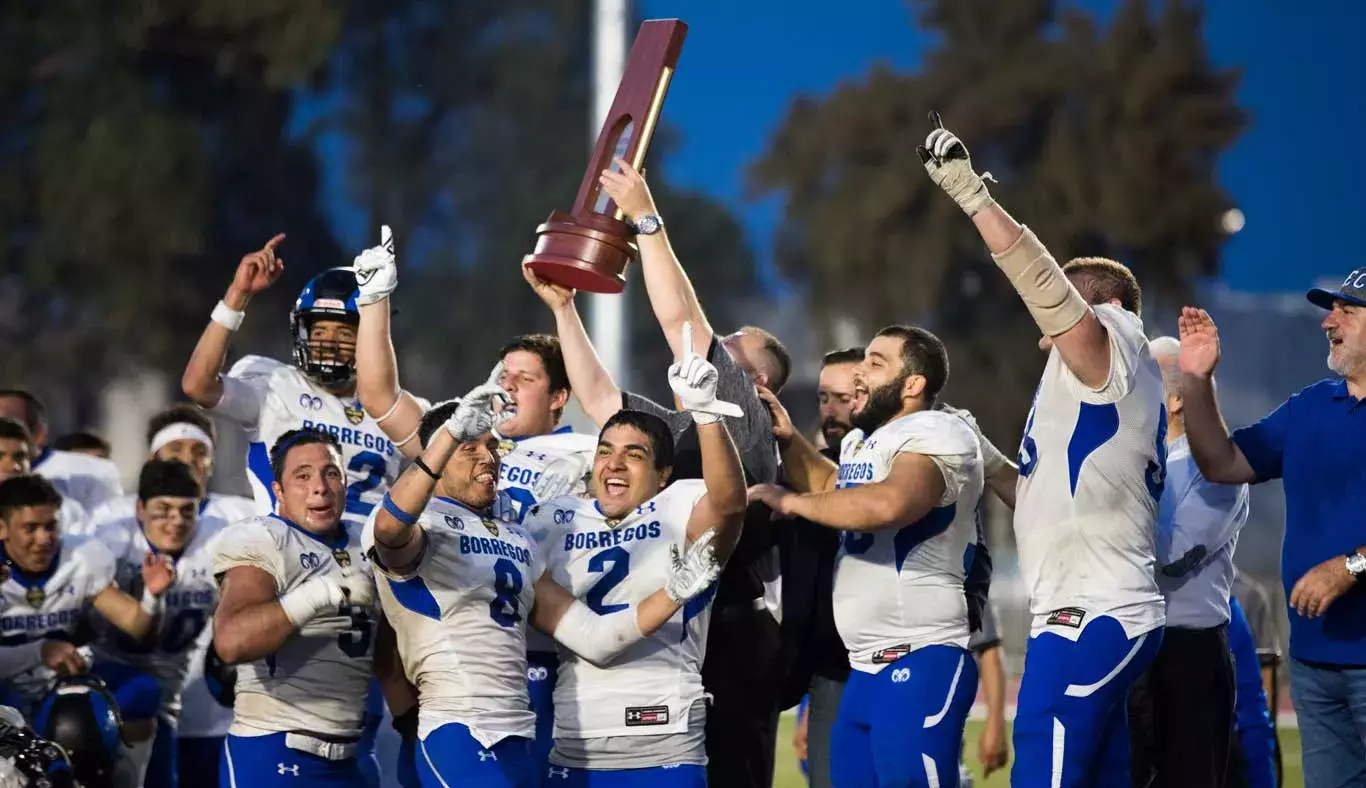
pixel 355 642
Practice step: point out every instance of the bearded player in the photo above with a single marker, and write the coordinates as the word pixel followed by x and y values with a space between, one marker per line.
pixel 1092 465
pixel 318 391
pixel 540 458
pixel 905 493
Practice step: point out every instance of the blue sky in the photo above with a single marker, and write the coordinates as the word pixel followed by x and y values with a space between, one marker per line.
pixel 1294 173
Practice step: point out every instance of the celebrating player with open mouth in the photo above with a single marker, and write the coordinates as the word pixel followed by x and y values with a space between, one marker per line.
pixel 1092 465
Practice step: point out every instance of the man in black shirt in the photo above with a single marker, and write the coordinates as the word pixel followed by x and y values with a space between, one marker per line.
pixel 743 640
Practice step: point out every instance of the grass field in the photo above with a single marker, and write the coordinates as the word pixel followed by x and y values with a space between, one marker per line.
pixel 788 773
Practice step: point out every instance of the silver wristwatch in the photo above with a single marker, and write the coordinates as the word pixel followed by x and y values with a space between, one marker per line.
pixel 1356 564
pixel 649 224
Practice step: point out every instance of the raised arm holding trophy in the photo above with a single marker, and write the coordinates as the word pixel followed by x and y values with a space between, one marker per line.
pixel 589 247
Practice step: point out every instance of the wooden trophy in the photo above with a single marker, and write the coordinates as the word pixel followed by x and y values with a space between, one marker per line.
pixel 588 247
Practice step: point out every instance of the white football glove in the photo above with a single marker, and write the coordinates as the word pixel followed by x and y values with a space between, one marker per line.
pixel 358 586
pixel 376 270
pixel 692 573
pixel 992 458
pixel 320 595
pixel 482 409
pixel 946 160
pixel 504 508
pixel 560 477
pixel 693 380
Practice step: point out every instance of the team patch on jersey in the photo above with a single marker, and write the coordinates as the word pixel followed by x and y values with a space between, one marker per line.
pixel 342 557
pixel 506 446
pixel 1066 617
pixel 647 715
pixel 354 413
pixel 455 522
pixel 490 525
pixel 35 596
pixel 889 655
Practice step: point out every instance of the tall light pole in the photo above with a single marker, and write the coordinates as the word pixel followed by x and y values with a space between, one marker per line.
pixel 607 313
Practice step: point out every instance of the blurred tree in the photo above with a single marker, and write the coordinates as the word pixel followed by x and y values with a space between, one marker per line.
pixel 145 147
pixel 1103 141
pixel 467 124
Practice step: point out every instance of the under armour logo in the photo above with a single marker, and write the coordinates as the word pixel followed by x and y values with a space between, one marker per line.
pixel 292 769
pixel 559 771
pixel 485 755
pixel 901 674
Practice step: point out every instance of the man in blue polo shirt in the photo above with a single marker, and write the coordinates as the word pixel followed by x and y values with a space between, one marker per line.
pixel 1316 443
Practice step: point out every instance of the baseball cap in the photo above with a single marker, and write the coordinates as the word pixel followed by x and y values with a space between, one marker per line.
pixel 1352 290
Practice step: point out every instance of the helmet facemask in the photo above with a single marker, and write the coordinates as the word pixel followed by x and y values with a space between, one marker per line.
pixel 329 362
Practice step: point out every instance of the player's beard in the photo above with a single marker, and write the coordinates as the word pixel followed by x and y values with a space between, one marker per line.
pixel 884 402
pixel 834 431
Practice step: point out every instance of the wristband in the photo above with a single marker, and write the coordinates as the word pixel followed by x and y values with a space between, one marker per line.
pixel 426 468
pixel 397 513
pixel 227 317
pixel 152 604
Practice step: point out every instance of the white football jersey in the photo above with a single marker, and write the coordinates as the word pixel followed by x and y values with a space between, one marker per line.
pixel 1092 466
pixel 900 588
pixel 460 620
pixel 523 459
pixel 73 519
pixel 89 480
pixel 52 605
pixel 317 681
pixel 269 398
pixel 190 603
pixel 649 688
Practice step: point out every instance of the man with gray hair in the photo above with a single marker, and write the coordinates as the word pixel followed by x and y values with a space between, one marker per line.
pixel 1183 729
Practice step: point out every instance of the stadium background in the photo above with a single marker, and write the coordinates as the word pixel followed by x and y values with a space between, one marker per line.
pixel 147 146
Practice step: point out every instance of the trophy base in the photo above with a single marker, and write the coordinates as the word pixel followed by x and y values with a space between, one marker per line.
pixel 588 252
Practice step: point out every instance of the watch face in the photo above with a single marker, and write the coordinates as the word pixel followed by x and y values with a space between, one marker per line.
pixel 1356 563
pixel 647 225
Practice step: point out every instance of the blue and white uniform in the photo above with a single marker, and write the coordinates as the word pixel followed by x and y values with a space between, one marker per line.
pixel 902 613
pixel 269 398
pixel 640 720
pixel 523 460
pixel 1092 467
pixel 299 712
pixel 189 606
pixel 201 723
pixel 51 605
pixel 460 621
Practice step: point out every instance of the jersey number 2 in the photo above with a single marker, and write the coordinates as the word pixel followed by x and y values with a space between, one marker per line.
pixel 614 563
pixel 507 586
pixel 368 469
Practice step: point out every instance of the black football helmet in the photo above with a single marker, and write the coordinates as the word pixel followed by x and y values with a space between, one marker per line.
pixel 42 763
pixel 82 717
pixel 330 295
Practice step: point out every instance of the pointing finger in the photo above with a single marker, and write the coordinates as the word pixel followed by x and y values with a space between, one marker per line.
pixel 687 339
pixel 274 242
pixel 386 237
pixel 935 120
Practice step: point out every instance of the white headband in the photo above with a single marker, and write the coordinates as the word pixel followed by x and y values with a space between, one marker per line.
pixel 180 430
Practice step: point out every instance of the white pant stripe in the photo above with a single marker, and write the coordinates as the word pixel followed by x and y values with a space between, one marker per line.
pixel 1086 690
pixel 1059 750
pixel 423 746
pixel 930 722
pixel 931 771
pixel 232 773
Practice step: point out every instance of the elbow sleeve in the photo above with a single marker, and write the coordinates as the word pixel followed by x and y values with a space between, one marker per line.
pixel 596 638
pixel 1052 300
